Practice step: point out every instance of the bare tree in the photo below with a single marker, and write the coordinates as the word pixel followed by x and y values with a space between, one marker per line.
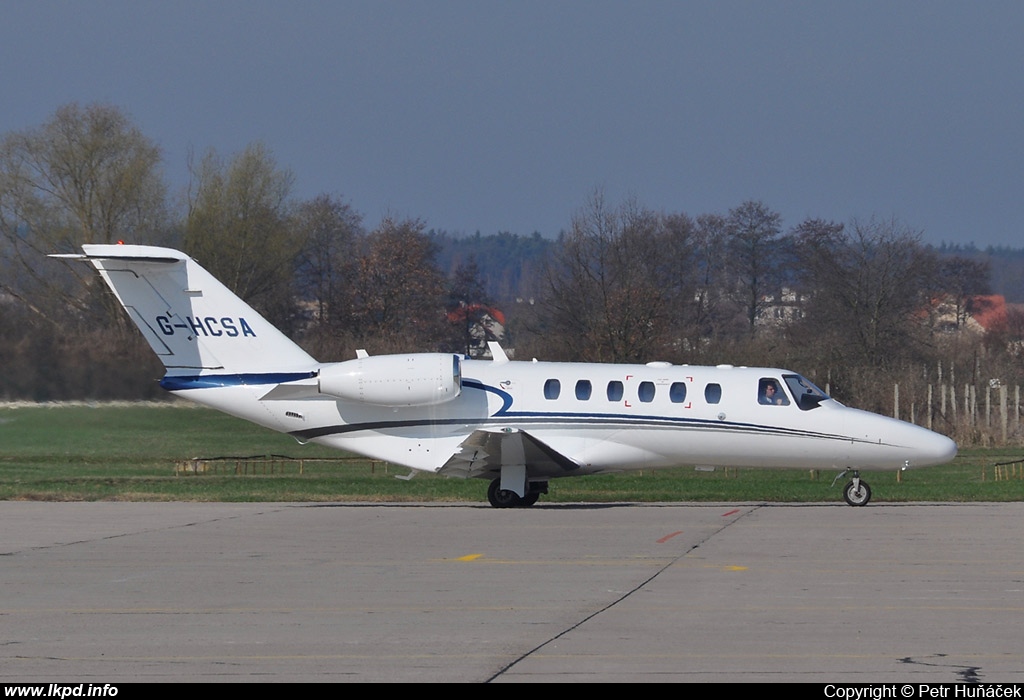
pixel 753 242
pixel 961 279
pixel 237 227
pixel 399 302
pixel 330 231
pixel 710 237
pixel 868 286
pixel 615 285
pixel 467 309
pixel 85 176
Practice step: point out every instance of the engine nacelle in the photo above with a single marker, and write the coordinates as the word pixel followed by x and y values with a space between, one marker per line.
pixel 395 380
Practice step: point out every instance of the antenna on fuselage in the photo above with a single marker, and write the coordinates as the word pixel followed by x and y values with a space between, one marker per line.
pixel 497 354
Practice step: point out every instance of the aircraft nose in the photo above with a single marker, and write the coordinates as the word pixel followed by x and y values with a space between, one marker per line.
pixel 936 449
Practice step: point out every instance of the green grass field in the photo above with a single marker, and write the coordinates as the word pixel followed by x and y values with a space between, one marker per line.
pixel 131 453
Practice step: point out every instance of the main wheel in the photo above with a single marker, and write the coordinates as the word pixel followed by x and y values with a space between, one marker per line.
pixel 501 498
pixel 529 499
pixel 857 494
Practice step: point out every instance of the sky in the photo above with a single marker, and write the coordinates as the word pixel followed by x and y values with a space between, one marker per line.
pixel 508 116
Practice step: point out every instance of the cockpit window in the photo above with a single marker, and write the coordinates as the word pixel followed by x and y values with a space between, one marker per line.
pixel 769 393
pixel 807 395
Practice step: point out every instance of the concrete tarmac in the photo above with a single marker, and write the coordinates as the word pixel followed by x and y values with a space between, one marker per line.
pixel 821 593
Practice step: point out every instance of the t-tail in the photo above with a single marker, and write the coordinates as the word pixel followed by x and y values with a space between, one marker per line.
pixel 201 331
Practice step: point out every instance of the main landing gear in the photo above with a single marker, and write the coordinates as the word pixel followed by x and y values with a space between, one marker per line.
pixel 857 492
pixel 502 498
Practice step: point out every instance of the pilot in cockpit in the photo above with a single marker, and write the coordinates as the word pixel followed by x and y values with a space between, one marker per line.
pixel 769 395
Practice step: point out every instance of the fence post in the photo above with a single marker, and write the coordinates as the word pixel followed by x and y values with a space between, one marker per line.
pixel 988 407
pixel 974 405
pixel 1002 410
pixel 928 415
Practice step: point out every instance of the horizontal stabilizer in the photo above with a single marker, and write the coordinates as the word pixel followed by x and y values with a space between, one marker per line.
pixel 290 392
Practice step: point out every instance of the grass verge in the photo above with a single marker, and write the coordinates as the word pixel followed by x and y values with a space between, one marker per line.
pixel 130 453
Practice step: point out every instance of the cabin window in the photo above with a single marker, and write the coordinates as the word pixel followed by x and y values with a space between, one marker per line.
pixel 583 390
pixel 646 392
pixel 615 391
pixel 713 393
pixel 677 392
pixel 769 393
pixel 552 388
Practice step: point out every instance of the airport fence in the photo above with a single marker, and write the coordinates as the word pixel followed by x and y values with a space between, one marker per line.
pixel 988 415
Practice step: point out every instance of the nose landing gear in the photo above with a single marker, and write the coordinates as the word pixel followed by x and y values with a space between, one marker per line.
pixel 856 492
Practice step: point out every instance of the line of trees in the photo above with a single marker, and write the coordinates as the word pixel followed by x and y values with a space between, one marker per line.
pixel 857 306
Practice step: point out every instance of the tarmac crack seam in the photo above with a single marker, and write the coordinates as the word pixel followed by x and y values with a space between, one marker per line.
pixel 195 523
pixel 508 667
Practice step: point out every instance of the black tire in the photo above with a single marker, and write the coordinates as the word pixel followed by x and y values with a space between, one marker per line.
pixel 857 496
pixel 500 498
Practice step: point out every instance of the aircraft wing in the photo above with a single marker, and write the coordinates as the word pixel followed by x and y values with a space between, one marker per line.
pixel 483 453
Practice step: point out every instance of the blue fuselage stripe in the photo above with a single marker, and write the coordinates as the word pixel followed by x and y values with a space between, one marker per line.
pixel 542 421
pixel 211 381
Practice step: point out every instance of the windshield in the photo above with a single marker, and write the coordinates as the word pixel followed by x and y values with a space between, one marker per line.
pixel 807 395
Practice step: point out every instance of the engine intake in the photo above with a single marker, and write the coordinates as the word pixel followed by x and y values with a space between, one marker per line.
pixel 423 379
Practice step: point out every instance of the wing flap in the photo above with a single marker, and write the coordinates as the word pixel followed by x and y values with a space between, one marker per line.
pixel 484 452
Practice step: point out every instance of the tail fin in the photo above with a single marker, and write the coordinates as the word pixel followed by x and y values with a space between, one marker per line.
pixel 193 322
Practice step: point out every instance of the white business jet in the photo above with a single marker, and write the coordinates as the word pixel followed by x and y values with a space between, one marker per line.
pixel 518 424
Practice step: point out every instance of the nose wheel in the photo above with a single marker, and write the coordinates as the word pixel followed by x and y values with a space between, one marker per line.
pixel 857 492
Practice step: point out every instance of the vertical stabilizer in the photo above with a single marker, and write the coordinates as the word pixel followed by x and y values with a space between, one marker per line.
pixel 193 322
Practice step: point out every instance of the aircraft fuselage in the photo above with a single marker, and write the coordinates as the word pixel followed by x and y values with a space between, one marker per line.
pixel 606 418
